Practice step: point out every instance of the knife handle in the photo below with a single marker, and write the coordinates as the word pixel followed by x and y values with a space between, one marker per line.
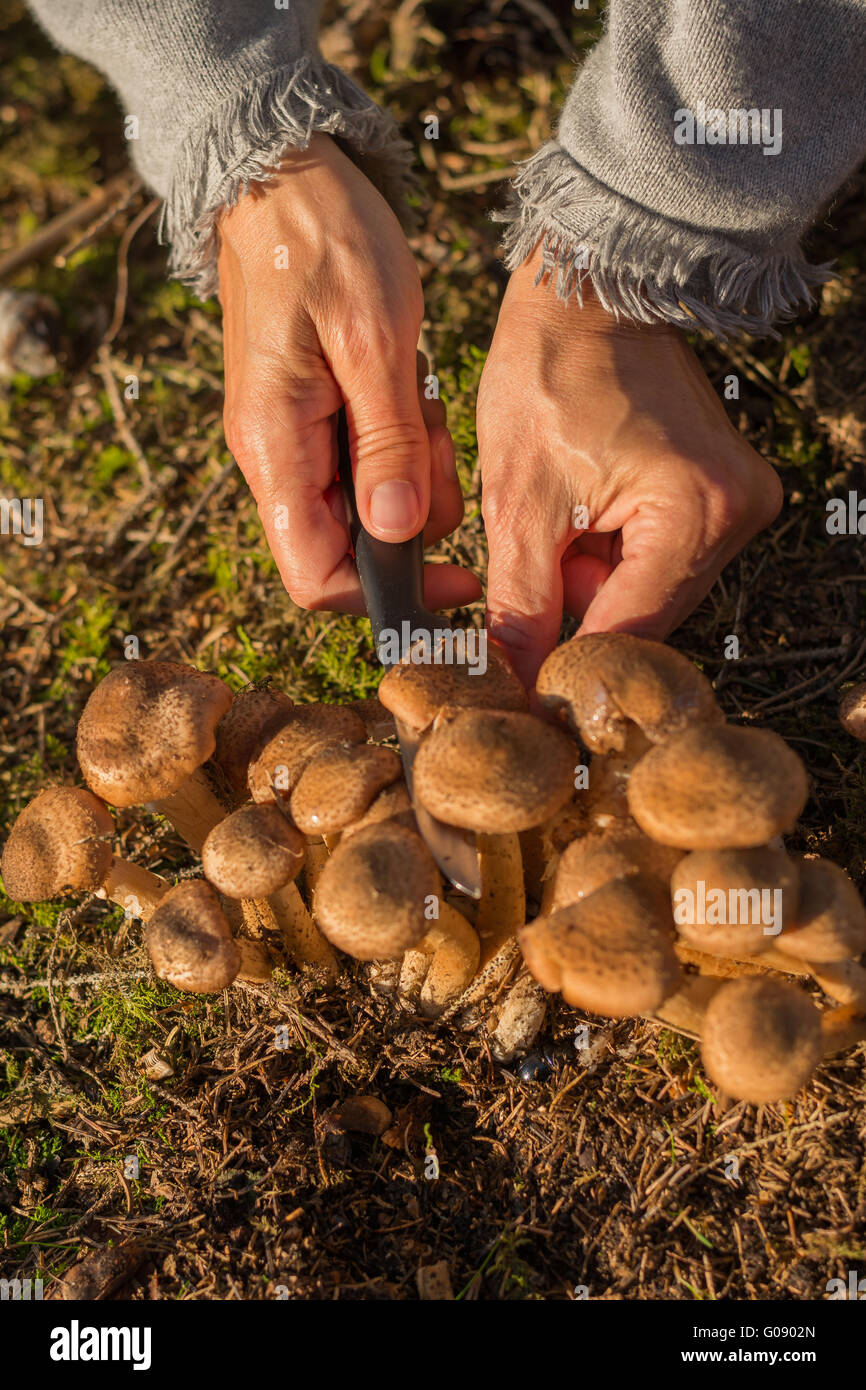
pixel 391 573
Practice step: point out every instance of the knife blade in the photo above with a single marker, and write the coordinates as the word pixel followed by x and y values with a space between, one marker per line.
pixel 392 582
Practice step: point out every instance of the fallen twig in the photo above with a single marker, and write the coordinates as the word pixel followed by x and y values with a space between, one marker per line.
pixel 55 232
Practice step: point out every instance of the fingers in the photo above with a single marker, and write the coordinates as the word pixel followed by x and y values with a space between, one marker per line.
pixel 445 586
pixel 524 585
pixel 651 592
pixel 582 577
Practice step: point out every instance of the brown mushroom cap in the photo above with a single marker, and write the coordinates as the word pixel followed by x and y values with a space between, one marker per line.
pixel 734 882
pixel 761 1038
pixel 57 845
pixel 852 710
pixel 189 939
pixel 337 786
pixel 621 851
pixel 718 788
pixel 254 715
pixel 830 921
pixel 602 682
pixel 371 898
pixel 493 771
pixel 611 953
pixel 308 730
pixel 415 692
pixel 377 720
pixel 392 803
pixel 253 852
pixel 147 727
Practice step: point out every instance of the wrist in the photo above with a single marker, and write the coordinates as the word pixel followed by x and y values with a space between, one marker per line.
pixel 537 289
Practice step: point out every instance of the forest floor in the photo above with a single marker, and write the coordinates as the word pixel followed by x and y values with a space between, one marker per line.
pixel 616 1180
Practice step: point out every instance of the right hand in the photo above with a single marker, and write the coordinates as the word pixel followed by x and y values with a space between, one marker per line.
pixel 340 323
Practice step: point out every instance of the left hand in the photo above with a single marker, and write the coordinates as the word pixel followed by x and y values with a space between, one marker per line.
pixel 579 410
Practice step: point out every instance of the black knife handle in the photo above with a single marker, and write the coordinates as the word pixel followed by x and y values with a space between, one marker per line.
pixel 391 573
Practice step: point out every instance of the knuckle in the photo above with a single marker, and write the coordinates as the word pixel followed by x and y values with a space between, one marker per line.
pixel 501 510
pixel 243 433
pixel 391 442
pixel 770 497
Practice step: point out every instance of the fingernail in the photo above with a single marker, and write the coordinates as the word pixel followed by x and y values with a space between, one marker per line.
pixel 394 506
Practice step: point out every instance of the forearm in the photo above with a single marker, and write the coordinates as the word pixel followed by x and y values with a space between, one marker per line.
pixel 217 91
pixel 666 192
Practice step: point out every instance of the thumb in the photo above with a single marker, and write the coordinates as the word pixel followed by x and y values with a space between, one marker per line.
pixel 390 450
pixel 524 596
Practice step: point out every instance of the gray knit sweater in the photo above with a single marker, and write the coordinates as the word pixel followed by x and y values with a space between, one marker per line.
pixel 698 142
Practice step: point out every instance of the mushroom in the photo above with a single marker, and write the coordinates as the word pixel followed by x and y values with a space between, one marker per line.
pixel 316 856
pixel 338 785
pixel 253 852
pixel 518 1022
pixel 844 981
pixel 309 729
pixel 611 953
pixel 415 692
pixel 606 797
pixel 686 1010
pixel 144 735
pixel 377 720
pixel 256 853
pixel 58 845
pixel 718 788
pixel 621 851
pixel 254 961
pixel 374 892
pixel 255 713
pixel 189 939
pixel 392 803
pixel 544 844
pixel 495 772
pixel 852 710
pixel 734 901
pixel 440 967
pixel 761 1038
pixel 605 682
pixel 830 921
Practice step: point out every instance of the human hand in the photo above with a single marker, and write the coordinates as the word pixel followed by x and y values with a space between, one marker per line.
pixel 578 411
pixel 341 321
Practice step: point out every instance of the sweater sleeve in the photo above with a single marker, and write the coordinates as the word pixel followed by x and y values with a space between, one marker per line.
pixel 213 93
pixel 697 144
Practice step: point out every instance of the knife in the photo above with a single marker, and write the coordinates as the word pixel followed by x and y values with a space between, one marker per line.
pixel 392 582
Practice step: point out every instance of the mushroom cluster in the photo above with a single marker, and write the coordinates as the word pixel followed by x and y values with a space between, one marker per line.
pixel 629 845
pixel 677 899
pixel 303 822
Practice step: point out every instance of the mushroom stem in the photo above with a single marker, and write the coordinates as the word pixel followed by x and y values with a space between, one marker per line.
pixel 728 967
pixel 316 856
pixel 303 940
pixel 134 888
pixel 534 849
pixel 331 841
pixel 842 980
pixel 841 1029
pixel 439 968
pixel 255 961
pixel 684 1010
pixel 607 800
pixel 502 908
pixel 520 1017
pixel 193 809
